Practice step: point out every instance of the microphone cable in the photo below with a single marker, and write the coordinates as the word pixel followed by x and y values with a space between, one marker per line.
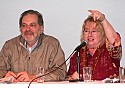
pixel 52 70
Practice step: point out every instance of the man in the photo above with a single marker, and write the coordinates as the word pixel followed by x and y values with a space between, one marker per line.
pixel 21 56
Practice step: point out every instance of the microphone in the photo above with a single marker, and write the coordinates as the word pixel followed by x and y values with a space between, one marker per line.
pixel 84 43
pixel 77 49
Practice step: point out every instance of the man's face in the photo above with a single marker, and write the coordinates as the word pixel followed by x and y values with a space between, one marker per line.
pixel 30 29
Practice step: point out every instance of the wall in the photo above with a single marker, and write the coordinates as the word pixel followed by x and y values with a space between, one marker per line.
pixel 63 18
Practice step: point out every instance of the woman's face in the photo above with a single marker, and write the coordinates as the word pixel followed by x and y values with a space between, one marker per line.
pixel 92 34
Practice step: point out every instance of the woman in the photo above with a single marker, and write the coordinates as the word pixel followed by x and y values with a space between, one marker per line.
pixel 103 50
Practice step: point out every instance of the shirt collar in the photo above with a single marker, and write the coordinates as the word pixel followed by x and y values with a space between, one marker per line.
pixel 30 48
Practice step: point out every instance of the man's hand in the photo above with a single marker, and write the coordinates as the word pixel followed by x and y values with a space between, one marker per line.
pixel 24 77
pixel 11 74
pixel 20 77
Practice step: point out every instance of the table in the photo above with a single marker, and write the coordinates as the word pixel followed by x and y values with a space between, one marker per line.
pixel 63 84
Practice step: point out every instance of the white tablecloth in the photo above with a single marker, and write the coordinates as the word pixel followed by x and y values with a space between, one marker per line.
pixel 64 84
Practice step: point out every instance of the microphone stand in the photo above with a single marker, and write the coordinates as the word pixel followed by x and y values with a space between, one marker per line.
pixel 52 70
pixel 78 62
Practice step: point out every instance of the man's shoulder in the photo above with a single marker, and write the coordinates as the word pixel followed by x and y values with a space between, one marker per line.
pixel 49 38
pixel 14 39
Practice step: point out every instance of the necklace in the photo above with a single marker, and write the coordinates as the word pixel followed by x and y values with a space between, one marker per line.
pixel 85 59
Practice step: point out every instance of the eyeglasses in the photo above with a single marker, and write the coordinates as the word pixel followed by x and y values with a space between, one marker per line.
pixel 94 32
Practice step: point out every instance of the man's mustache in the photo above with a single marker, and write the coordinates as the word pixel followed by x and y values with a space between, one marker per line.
pixel 28 32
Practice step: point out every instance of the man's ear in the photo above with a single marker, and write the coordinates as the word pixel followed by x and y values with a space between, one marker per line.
pixel 41 29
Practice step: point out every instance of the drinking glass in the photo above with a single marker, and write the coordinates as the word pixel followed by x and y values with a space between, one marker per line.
pixel 87 74
pixel 40 74
pixel 122 74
